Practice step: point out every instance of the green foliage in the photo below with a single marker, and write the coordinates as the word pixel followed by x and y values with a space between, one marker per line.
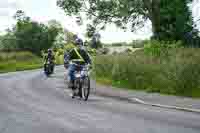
pixel 28 35
pixel 158 48
pixel 102 12
pixel 92 51
pixel 59 56
pixel 90 31
pixel 171 20
pixel 176 73
pixel 138 43
pixel 176 19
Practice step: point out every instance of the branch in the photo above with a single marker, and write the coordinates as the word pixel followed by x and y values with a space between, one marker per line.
pixel 148 6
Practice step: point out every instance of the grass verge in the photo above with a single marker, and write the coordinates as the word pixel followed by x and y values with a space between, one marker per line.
pixel 19 61
pixel 175 72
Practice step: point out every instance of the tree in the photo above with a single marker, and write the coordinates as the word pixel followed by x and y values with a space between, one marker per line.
pixel 33 36
pixel 55 33
pixel 176 19
pixel 8 42
pixel 93 36
pixel 60 40
pixel 70 36
pixel 20 16
pixel 95 42
pixel 90 31
pixel 119 12
pixel 134 12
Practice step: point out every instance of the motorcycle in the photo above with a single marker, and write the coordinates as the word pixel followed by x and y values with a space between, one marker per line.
pixel 48 68
pixel 81 85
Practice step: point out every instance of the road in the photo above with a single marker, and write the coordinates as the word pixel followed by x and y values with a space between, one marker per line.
pixel 32 103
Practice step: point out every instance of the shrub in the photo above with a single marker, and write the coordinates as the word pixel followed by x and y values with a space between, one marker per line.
pixel 92 51
pixel 158 48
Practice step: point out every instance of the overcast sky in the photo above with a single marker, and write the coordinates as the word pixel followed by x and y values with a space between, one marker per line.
pixel 45 10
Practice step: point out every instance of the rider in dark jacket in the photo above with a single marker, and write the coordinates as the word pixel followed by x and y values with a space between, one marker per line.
pixel 50 56
pixel 78 56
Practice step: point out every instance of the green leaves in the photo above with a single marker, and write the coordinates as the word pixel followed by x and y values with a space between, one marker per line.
pixel 29 35
pixel 71 7
pixel 101 12
pixel 171 19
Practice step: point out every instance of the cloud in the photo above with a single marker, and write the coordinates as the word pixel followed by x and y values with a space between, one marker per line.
pixel 11 4
pixel 4 13
pixel 8 7
pixel 7 10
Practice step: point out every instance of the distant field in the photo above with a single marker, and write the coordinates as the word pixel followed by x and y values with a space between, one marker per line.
pixel 120 49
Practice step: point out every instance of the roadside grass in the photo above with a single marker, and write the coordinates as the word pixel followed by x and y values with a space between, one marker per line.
pixel 19 61
pixel 174 71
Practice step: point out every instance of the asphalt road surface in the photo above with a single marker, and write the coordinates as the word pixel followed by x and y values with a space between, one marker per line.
pixel 32 103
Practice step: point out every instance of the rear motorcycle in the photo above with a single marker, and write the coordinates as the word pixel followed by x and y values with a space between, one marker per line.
pixel 48 68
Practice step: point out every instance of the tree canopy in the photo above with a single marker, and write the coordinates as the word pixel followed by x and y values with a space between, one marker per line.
pixel 171 19
pixel 30 35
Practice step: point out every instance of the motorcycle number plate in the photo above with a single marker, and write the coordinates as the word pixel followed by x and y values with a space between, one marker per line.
pixel 78 75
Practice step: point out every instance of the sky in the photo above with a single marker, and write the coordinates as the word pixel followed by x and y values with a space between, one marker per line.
pixel 45 10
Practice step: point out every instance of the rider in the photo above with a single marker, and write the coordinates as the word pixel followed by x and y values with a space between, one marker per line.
pixel 77 55
pixel 50 56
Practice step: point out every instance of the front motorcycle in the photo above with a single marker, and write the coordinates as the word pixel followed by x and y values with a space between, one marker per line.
pixel 81 86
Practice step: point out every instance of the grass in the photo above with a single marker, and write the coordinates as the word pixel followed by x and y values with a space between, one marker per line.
pixel 173 71
pixel 19 61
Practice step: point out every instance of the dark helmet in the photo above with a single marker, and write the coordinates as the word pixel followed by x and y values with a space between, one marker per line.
pixel 79 42
pixel 50 51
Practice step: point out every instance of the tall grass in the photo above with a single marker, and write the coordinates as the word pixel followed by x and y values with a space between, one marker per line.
pixel 173 71
pixel 17 61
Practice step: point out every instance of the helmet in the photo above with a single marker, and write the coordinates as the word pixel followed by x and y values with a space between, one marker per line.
pixel 50 51
pixel 79 42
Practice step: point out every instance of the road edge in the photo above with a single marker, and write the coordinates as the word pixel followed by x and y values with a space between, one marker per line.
pixel 165 106
pixel 139 101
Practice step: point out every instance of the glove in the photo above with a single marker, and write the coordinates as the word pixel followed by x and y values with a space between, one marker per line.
pixel 66 65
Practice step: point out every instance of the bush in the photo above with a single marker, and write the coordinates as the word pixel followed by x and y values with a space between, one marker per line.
pixel 92 51
pixel 138 44
pixel 158 48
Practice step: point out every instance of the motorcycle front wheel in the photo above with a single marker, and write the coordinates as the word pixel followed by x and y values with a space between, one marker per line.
pixel 76 87
pixel 85 89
